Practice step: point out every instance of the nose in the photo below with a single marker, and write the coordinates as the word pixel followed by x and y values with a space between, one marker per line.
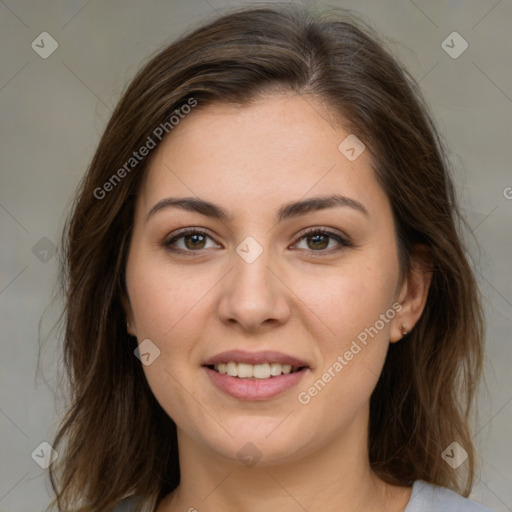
pixel 254 296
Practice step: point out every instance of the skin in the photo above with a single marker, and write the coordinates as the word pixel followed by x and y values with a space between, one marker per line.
pixel 294 298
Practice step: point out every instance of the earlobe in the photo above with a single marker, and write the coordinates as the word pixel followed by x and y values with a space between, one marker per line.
pixel 399 328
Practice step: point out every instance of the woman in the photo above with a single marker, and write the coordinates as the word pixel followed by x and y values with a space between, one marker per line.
pixel 268 301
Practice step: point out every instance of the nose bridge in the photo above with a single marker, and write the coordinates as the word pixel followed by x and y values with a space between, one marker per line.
pixel 252 295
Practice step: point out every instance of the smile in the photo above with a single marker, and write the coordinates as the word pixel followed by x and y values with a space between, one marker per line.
pixel 254 375
pixel 254 371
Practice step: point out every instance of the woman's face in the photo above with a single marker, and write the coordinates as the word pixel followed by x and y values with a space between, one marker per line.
pixel 263 286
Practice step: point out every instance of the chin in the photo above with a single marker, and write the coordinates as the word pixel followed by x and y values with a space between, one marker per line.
pixel 262 441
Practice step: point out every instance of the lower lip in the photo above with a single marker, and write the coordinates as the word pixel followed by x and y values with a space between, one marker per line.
pixel 254 389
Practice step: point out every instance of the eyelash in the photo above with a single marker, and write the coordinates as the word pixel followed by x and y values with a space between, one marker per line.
pixel 343 241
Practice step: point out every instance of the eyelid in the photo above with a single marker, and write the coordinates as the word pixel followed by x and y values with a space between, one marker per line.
pixel 326 230
pixel 180 233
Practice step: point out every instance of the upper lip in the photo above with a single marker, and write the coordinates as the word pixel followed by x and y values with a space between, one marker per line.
pixel 265 356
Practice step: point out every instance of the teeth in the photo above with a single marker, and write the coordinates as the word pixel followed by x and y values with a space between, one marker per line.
pixel 232 369
pixel 261 371
pixel 245 370
pixel 275 369
pixel 257 371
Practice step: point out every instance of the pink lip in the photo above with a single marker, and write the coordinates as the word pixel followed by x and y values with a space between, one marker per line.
pixel 254 389
pixel 265 356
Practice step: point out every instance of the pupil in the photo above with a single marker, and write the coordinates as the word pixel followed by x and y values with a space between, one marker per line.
pixel 195 238
pixel 316 239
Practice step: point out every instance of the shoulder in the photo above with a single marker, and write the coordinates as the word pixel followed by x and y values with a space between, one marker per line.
pixel 427 497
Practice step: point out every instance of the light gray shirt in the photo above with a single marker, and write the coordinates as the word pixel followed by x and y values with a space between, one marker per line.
pixel 425 497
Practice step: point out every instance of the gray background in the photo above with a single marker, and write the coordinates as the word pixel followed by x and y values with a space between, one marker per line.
pixel 53 112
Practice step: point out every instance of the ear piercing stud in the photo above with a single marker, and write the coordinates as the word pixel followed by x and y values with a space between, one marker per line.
pixel 403 330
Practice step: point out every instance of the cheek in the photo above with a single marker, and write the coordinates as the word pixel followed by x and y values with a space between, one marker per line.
pixel 163 304
pixel 351 299
pixel 357 308
pixel 164 298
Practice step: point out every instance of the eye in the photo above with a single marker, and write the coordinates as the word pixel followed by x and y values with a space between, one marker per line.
pixel 194 240
pixel 319 239
pixel 188 240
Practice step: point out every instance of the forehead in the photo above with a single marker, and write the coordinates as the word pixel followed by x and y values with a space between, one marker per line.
pixel 279 148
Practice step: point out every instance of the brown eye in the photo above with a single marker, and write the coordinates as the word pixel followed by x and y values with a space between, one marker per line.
pixel 188 241
pixel 319 240
pixel 195 241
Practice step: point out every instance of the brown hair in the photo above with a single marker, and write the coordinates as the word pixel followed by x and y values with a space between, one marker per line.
pixel 118 438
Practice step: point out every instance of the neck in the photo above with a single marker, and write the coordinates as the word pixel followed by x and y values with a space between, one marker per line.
pixel 336 477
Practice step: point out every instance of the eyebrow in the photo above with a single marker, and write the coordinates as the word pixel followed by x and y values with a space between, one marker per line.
pixel 286 211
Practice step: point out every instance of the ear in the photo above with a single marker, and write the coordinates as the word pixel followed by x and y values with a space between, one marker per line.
pixel 413 292
pixel 130 327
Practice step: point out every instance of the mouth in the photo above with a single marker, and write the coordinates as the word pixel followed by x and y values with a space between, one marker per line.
pixel 255 375
pixel 254 371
